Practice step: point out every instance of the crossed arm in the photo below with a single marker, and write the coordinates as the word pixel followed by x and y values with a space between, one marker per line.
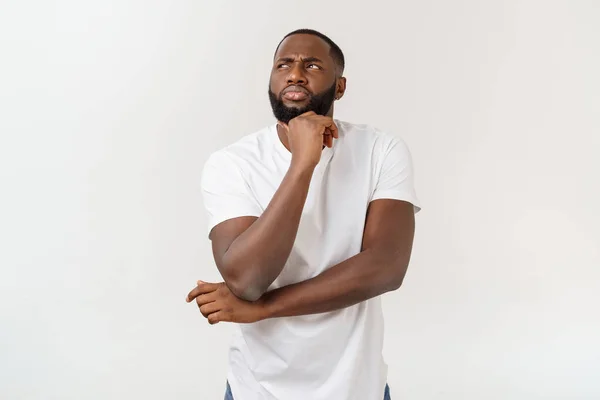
pixel 379 267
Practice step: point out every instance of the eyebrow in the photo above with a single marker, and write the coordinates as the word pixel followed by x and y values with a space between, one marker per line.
pixel 305 60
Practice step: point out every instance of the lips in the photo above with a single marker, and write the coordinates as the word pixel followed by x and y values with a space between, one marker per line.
pixel 295 93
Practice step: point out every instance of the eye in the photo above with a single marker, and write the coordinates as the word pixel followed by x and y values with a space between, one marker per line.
pixel 313 66
pixel 282 66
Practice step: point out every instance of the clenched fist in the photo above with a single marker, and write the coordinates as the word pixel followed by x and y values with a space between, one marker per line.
pixel 307 134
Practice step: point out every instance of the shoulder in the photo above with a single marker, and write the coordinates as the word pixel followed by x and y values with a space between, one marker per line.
pixel 364 136
pixel 250 148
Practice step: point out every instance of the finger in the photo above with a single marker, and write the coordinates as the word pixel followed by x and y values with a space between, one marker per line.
pixel 333 128
pixel 329 141
pixel 283 126
pixel 308 113
pixel 207 309
pixel 202 288
pixel 215 318
pixel 329 124
pixel 326 137
pixel 205 298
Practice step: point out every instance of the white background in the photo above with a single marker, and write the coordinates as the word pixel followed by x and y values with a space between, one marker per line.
pixel 109 109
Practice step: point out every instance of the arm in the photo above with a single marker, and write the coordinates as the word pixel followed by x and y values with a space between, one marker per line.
pixel 250 252
pixel 380 267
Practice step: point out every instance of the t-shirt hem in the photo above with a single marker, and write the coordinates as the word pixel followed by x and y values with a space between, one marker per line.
pixel 392 195
pixel 217 220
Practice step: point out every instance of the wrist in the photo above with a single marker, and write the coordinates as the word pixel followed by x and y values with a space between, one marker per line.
pixel 265 308
pixel 301 169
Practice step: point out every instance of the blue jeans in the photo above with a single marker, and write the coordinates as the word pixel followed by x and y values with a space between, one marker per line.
pixel 229 396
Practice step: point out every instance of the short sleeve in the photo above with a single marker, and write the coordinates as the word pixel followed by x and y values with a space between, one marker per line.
pixel 225 191
pixel 396 177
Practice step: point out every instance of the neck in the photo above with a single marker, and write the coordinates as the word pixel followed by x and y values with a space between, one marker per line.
pixel 283 137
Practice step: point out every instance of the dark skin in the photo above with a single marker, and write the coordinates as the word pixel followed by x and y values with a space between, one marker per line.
pixel 305 60
pixel 251 252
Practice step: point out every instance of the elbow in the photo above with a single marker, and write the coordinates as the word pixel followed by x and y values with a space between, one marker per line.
pixel 392 265
pixel 245 282
pixel 396 277
pixel 247 292
pixel 245 288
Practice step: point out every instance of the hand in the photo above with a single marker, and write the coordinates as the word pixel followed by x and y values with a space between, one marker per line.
pixel 218 304
pixel 307 134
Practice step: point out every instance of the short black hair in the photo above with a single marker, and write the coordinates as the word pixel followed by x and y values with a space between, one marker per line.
pixel 335 51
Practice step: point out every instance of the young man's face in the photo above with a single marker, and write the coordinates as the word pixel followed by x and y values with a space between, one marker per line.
pixel 304 78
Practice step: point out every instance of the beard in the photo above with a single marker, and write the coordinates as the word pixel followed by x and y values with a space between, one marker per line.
pixel 319 103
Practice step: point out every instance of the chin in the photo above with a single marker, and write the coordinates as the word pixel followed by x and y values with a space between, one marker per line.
pixel 297 104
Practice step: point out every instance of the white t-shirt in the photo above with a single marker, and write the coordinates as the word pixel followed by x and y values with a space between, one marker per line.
pixel 335 355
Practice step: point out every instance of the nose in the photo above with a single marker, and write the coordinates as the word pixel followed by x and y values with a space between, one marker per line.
pixel 296 75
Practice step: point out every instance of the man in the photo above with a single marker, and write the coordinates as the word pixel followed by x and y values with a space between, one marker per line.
pixel 311 219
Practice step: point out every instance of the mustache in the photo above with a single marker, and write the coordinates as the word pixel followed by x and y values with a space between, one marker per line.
pixel 320 102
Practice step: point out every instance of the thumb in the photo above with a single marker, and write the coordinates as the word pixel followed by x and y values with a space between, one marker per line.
pixel 283 126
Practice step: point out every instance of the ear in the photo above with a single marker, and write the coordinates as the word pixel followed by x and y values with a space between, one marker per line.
pixel 340 88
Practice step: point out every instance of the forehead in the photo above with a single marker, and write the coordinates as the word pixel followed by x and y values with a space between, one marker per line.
pixel 304 45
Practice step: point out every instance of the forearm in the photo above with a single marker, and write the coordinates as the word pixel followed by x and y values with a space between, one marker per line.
pixel 364 276
pixel 259 254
